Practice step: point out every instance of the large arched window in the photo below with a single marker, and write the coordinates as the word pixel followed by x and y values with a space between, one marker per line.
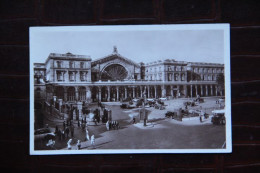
pixel 114 72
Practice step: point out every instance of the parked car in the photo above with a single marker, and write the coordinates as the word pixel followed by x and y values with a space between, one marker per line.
pixel 222 99
pixel 163 99
pixel 218 117
pixel 43 134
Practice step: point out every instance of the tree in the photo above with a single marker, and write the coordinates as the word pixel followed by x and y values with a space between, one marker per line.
pixel 221 82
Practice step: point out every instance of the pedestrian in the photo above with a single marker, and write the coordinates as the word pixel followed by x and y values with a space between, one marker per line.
pixel 69 144
pixel 56 130
pixel 67 131
pixel 72 130
pixel 64 125
pixel 63 135
pixel 93 141
pixel 107 125
pixel 83 126
pixel 133 120
pixel 78 145
pixel 78 124
pixel 87 135
pixel 51 144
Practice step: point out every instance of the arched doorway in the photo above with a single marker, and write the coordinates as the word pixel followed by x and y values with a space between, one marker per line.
pixel 114 72
pixel 59 92
pixel 159 91
pixel 168 91
pixel 121 93
pixel 104 94
pixel 82 93
pixel 94 94
pixel 71 94
pixel 113 93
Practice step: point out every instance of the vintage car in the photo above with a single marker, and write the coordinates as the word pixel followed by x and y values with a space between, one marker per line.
pixel 128 105
pixel 218 117
pixel 43 134
pixel 163 99
pixel 189 103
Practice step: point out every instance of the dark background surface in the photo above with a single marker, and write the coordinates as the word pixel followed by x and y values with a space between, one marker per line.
pixel 16 16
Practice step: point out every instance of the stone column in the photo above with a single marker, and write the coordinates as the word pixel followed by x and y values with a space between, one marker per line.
pixel 201 90
pixel 76 93
pixel 185 91
pixel 141 91
pixel 163 91
pixel 108 93
pixel 206 90
pixel 148 91
pixel 88 93
pixel 211 90
pixel 172 91
pixel 99 94
pixel 79 106
pixel 65 94
pixel 178 91
pixel 155 91
pixel 191 91
pixel 125 92
pixel 117 93
pixel 179 76
pixel 196 88
pixel 216 88
pixel 60 104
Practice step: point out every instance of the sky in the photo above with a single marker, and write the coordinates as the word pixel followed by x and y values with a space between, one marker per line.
pixel 137 45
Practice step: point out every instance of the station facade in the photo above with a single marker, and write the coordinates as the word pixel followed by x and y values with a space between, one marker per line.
pixel 73 78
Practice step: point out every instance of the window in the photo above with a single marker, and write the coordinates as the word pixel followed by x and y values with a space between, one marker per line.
pixel 82 76
pixel 81 64
pixel 59 76
pixel 183 77
pixel 176 77
pixel 58 64
pixel 71 64
pixel 169 68
pixel 71 76
pixel 169 77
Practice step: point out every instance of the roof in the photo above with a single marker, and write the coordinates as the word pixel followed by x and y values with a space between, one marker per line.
pixel 111 57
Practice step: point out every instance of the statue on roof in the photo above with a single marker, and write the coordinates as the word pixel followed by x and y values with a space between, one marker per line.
pixel 115 50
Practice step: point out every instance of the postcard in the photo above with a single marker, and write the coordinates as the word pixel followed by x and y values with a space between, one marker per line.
pixel 130 89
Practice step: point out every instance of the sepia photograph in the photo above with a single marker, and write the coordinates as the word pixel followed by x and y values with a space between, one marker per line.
pixel 130 89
